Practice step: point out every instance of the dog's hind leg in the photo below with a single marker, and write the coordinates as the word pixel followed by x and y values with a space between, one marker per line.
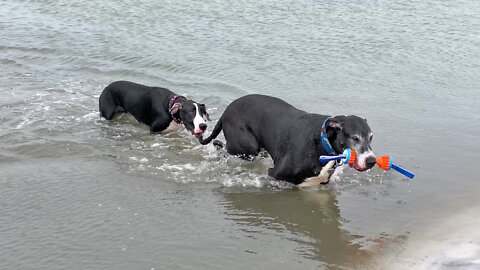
pixel 244 144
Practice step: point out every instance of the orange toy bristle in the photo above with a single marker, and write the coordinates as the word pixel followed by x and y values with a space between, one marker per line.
pixel 383 162
pixel 353 156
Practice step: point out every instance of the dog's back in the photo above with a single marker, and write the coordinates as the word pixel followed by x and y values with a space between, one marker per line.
pixel 124 96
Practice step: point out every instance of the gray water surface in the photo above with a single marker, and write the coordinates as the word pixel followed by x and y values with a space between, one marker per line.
pixel 78 192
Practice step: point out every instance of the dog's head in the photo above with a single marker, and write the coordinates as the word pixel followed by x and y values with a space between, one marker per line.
pixel 352 132
pixel 192 114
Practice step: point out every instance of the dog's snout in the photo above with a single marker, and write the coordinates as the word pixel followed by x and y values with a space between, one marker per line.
pixel 202 126
pixel 370 161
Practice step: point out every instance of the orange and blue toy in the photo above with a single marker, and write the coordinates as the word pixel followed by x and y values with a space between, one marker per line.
pixel 384 162
pixel 348 156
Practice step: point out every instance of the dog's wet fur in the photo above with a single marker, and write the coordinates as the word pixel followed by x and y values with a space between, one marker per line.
pixel 291 136
pixel 150 105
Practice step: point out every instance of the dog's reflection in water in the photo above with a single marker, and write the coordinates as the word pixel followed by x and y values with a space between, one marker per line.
pixel 314 214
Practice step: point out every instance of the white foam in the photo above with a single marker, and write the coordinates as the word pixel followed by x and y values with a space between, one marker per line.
pixel 338 172
pixel 243 180
pixel 141 160
pixel 92 115
pixel 23 123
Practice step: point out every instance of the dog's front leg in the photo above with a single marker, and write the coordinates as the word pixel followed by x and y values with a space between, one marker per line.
pixel 271 172
pixel 159 125
pixel 322 177
pixel 279 168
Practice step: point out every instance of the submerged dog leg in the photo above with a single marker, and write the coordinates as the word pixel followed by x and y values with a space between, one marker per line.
pixel 322 177
pixel 160 125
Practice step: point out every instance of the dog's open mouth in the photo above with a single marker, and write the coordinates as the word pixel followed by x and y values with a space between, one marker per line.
pixel 195 134
pixel 357 167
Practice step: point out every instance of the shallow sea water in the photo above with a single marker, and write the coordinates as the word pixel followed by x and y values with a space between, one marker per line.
pixel 79 192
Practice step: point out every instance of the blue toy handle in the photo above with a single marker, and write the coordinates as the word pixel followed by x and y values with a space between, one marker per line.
pixel 403 171
pixel 346 156
pixel 329 158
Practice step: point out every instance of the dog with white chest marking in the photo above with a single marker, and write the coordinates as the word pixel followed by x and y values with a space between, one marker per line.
pixel 294 138
pixel 156 107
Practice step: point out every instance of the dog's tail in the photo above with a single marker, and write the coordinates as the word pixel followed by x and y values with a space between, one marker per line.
pixel 215 132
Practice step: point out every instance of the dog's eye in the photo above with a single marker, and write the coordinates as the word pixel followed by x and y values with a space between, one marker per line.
pixel 356 139
pixel 371 138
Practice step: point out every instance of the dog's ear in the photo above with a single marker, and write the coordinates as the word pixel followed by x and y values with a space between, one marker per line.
pixel 175 108
pixel 334 124
pixel 203 109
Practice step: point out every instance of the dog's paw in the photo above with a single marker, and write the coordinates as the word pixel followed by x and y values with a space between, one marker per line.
pixel 218 144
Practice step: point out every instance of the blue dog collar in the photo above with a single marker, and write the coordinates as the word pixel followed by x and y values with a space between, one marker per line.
pixel 326 144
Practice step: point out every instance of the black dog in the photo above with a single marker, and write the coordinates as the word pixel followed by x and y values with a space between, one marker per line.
pixel 154 106
pixel 293 138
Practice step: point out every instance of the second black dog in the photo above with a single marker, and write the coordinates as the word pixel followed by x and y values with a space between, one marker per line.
pixel 156 107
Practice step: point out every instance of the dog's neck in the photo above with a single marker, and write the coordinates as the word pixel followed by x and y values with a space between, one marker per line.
pixel 173 105
pixel 325 140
